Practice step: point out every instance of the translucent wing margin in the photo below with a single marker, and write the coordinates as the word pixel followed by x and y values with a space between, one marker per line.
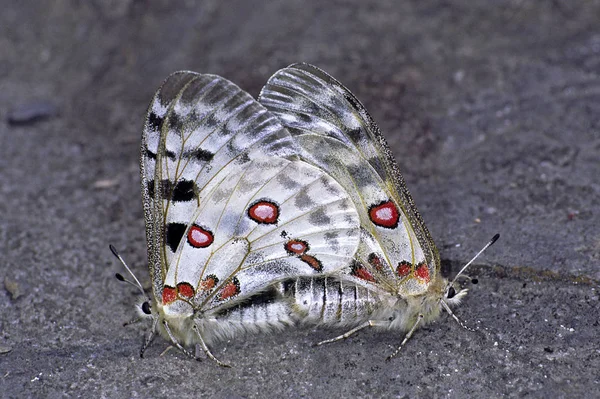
pixel 337 134
pixel 196 125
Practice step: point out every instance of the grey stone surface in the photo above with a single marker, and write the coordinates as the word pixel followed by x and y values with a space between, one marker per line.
pixel 493 112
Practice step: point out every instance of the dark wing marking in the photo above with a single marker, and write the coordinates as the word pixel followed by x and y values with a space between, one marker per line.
pixel 246 255
pixel 197 125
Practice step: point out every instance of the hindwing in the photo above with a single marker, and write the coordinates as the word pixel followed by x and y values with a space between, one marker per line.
pixel 196 126
pixel 261 222
pixel 336 133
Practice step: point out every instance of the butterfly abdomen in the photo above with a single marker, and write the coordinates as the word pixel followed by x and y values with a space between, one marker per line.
pixel 332 301
pixel 263 312
pixel 305 299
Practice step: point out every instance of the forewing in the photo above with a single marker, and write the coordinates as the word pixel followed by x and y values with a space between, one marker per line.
pixel 262 222
pixel 196 126
pixel 337 134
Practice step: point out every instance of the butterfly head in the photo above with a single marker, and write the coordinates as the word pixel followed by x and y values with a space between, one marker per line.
pixel 454 293
pixel 145 306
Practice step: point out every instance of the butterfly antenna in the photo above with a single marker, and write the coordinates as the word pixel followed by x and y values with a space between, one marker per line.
pixel 120 277
pixel 493 240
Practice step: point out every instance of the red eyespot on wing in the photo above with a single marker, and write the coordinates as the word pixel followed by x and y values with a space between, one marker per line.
pixel 375 261
pixel 385 215
pixel 404 268
pixel 185 290
pixel 231 289
pixel 199 238
pixel 169 294
pixel 296 247
pixel 422 272
pixel 360 271
pixel 209 282
pixel 265 212
pixel 312 262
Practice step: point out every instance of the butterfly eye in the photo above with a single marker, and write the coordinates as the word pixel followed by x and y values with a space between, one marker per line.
pixel 146 307
pixel 451 292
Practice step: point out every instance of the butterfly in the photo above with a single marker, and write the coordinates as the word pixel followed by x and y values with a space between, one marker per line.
pixel 290 209
pixel 397 262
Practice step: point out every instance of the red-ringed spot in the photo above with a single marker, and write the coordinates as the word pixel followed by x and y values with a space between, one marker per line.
pixel 385 214
pixel 185 290
pixel 361 272
pixel 231 289
pixel 209 282
pixel 296 247
pixel 375 261
pixel 312 262
pixel 422 272
pixel 169 294
pixel 265 212
pixel 199 237
pixel 404 268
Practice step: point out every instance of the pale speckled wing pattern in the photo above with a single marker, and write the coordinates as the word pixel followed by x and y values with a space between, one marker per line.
pixel 336 133
pixel 262 221
pixel 196 125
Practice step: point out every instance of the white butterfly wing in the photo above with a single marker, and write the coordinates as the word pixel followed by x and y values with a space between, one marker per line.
pixel 337 134
pixel 262 221
pixel 196 125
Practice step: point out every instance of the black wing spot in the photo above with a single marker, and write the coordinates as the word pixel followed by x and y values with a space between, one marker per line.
pixel 200 155
pixel 170 154
pixel 211 121
pixel 165 189
pixel 150 154
pixel 176 123
pixel 154 121
pixel 174 233
pixel 243 158
pixel 356 135
pixel 184 191
pixel 151 188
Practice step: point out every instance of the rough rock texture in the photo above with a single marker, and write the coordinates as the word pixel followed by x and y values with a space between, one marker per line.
pixel 493 112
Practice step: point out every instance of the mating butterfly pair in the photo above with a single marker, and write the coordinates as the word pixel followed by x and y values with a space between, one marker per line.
pixel 277 212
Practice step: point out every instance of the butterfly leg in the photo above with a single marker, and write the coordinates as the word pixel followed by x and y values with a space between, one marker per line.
pixel 167 349
pixel 369 323
pixel 407 336
pixel 206 350
pixel 150 337
pixel 445 305
pixel 177 344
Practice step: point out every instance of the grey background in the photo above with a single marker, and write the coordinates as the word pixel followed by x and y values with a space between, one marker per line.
pixel 492 110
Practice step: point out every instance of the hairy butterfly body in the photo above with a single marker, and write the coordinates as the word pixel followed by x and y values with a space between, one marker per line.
pixel 290 209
